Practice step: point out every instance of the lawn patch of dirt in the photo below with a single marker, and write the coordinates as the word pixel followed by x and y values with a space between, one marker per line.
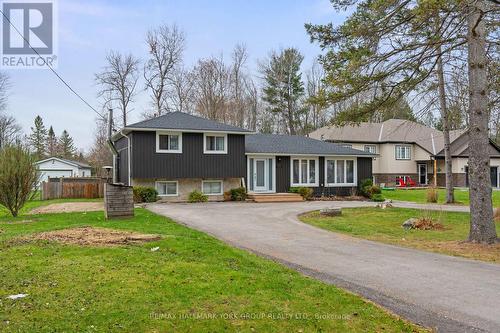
pixel 69 207
pixel 425 223
pixel 90 236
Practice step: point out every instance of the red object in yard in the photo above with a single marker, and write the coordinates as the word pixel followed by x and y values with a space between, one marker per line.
pixel 405 181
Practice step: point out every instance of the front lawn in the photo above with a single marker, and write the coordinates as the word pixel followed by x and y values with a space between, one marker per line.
pixel 419 195
pixel 192 283
pixel 384 225
pixel 36 202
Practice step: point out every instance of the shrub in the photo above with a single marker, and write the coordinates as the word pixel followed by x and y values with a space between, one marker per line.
pixel 432 194
pixel 238 194
pixel 305 192
pixel 368 190
pixel 19 177
pixel 145 194
pixel 378 197
pixel 197 196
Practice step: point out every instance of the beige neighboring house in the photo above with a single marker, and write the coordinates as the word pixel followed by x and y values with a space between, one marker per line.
pixel 409 149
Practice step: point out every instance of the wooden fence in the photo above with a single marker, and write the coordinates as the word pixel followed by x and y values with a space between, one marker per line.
pixel 77 187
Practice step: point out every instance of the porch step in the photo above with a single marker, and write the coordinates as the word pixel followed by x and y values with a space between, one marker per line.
pixel 275 197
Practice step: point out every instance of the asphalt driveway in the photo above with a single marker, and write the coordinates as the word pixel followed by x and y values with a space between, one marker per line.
pixel 449 293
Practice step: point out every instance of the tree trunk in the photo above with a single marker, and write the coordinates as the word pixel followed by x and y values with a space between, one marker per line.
pixel 482 227
pixel 446 128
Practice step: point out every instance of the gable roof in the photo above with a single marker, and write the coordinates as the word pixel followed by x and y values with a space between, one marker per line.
pixel 184 121
pixel 459 147
pixel 392 130
pixel 296 145
pixel 63 160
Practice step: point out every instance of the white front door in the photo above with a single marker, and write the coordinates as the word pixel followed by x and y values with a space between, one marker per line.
pixel 260 175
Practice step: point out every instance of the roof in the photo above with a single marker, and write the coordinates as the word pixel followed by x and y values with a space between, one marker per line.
pixel 184 121
pixel 392 130
pixel 71 162
pixel 295 145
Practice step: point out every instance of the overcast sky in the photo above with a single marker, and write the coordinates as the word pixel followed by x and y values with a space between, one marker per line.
pixel 89 29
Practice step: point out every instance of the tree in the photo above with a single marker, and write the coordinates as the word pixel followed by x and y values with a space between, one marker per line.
pixel 118 81
pixel 18 177
pixel 181 91
pixel 283 86
pixel 52 144
pixel 166 45
pixel 10 130
pixel 67 147
pixel 100 154
pixel 38 138
pixel 482 226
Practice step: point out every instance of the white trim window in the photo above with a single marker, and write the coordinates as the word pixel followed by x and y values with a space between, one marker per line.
pixel 371 149
pixel 340 172
pixel 403 152
pixel 214 143
pixel 169 142
pixel 212 187
pixel 167 188
pixel 304 171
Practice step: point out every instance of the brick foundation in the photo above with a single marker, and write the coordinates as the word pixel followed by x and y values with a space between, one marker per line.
pixel 188 185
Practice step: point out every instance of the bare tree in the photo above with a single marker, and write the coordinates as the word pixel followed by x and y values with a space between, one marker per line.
pixel 166 46
pixel 118 81
pixel 237 84
pixel 99 154
pixel 10 130
pixel 212 91
pixel 181 90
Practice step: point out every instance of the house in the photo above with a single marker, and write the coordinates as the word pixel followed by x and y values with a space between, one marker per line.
pixel 406 149
pixel 55 167
pixel 177 153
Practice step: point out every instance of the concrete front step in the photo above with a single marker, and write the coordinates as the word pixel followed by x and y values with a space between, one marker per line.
pixel 275 197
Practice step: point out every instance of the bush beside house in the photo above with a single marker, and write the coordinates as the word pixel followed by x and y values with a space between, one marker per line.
pixel 145 194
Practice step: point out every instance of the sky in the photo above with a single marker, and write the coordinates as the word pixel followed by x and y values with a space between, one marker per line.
pixel 88 30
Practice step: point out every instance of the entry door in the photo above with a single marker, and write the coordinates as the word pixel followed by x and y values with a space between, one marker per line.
pixel 260 178
pixel 422 174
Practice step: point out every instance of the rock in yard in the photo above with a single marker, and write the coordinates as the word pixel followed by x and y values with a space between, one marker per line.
pixel 410 223
pixel 331 212
pixel 384 205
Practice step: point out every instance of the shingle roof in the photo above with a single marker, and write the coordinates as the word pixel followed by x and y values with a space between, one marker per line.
pixel 184 121
pixel 392 130
pixel 296 145
pixel 78 164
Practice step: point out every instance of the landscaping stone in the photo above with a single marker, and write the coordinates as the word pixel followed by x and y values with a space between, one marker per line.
pixel 410 223
pixel 331 212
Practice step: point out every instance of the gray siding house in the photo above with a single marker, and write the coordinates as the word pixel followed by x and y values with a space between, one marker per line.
pixel 177 153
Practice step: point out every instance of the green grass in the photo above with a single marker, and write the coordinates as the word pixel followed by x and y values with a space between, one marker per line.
pixel 419 195
pixel 132 289
pixel 36 202
pixel 384 225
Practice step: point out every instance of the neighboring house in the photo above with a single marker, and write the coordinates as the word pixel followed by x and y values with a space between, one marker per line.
pixel 409 149
pixel 55 167
pixel 177 153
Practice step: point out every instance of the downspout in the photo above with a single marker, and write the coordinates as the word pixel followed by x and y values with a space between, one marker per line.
pixel 129 157
pixel 111 145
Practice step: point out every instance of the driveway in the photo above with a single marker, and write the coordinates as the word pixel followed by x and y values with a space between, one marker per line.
pixel 449 293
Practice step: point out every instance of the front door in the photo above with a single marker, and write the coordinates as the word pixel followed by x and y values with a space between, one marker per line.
pixel 422 173
pixel 260 177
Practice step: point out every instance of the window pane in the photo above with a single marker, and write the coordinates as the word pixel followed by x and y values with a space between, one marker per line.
pixel 174 142
pixel 270 164
pixel 214 187
pixel 210 143
pixel 250 181
pixel 161 188
pixel 330 172
pixel 261 167
pixel 349 171
pixel 340 171
pixel 370 149
pixel 163 142
pixel 220 143
pixel 312 171
pixel 295 171
pixel 171 188
pixel 303 171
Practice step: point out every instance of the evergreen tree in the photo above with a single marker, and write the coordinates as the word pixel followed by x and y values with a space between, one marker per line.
pixel 38 138
pixel 284 89
pixel 67 146
pixel 52 144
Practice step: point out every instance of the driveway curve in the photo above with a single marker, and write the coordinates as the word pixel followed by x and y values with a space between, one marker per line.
pixel 447 293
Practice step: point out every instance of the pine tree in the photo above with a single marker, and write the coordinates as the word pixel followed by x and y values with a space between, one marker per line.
pixel 38 138
pixel 52 144
pixel 67 146
pixel 284 88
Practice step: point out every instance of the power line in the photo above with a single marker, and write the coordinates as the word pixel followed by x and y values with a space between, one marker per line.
pixel 52 69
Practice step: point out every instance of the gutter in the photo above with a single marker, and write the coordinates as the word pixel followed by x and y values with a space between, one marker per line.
pixel 129 157
pixel 111 145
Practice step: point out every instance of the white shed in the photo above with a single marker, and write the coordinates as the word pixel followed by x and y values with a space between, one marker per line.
pixel 58 167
